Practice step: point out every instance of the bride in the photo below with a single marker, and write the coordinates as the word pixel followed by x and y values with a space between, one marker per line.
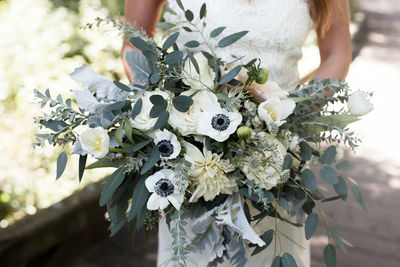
pixel 277 32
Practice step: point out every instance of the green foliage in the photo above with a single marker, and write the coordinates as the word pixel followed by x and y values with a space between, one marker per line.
pixel 288 260
pixel 328 174
pixel 330 255
pixel 61 163
pixel 230 39
pixel 311 225
pixel 180 239
pixel 113 182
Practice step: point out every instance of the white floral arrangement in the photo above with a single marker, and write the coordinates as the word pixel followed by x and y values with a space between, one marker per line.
pixel 187 138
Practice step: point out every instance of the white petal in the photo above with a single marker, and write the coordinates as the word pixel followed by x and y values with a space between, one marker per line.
pixel 193 154
pixel 163 203
pixel 88 139
pixel 154 202
pixel 289 106
pixel 176 200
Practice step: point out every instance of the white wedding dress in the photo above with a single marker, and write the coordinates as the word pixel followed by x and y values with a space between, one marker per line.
pixel 277 30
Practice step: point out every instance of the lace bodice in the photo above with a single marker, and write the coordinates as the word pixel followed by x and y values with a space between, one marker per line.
pixel 277 28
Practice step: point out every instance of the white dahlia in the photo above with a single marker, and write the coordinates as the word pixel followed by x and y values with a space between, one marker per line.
pixel 208 174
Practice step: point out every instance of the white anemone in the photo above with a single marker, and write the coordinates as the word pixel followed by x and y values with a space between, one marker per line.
pixel 208 174
pixel 359 103
pixel 143 121
pixel 167 144
pixel 218 124
pixel 275 110
pixel 186 122
pixel 95 141
pixel 162 185
pixel 199 81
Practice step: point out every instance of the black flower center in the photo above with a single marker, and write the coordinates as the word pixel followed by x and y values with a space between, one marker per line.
pixel 165 147
pixel 220 122
pixel 164 187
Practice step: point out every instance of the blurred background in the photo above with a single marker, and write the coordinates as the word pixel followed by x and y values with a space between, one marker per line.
pixel 44 222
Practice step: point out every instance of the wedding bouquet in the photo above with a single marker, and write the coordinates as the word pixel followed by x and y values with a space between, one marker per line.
pixel 191 142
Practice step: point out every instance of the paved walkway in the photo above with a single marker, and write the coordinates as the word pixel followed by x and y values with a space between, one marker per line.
pixel 376 234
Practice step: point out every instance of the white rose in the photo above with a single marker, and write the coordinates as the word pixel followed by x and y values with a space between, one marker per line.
pixel 95 141
pixel 275 110
pixel 143 121
pixel 186 122
pixel 199 81
pixel 359 103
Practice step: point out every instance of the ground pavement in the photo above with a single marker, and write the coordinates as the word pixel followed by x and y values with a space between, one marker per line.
pixel 376 234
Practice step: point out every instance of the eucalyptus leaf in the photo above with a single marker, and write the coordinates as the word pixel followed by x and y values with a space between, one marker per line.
pixel 161 121
pixel 137 108
pixel 170 40
pixel 153 158
pixel 113 182
pixel 337 238
pixel 267 238
pixel 139 198
pixel 165 25
pixel 311 225
pixel 107 164
pixel 305 151
pixel 284 203
pixel 203 11
pixel 182 103
pixel 231 74
pixel 328 174
pixel 157 110
pixel 329 155
pixel 174 57
pixel 277 262
pixel 230 39
pixel 341 188
pixel 309 180
pixel 287 162
pixel 82 165
pixel 189 15
pixel 138 65
pixel 155 77
pixel 357 194
pixel 61 163
pixel 288 260
pixel 344 165
pixel 214 33
pixel 140 44
pixel 157 100
pixel 194 62
pixel 137 147
pixel 122 86
pixel 330 255
pixel 192 44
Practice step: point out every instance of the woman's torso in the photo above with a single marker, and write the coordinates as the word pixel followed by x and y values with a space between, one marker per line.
pixel 277 30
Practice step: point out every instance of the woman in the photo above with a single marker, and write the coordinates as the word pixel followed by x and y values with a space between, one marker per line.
pixel 277 32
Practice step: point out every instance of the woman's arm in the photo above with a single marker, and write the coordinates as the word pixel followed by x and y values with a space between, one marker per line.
pixel 335 45
pixel 145 15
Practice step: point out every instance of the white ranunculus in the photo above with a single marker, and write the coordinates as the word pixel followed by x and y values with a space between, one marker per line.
pixel 275 111
pixel 265 168
pixel 359 103
pixel 218 124
pixel 164 190
pixel 95 141
pixel 186 122
pixel 199 81
pixel 167 144
pixel 208 174
pixel 143 121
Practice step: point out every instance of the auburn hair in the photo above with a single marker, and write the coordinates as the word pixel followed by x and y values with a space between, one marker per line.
pixel 322 13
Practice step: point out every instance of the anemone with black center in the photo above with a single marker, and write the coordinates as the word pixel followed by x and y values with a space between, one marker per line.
pixel 220 122
pixel 164 187
pixel 165 147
